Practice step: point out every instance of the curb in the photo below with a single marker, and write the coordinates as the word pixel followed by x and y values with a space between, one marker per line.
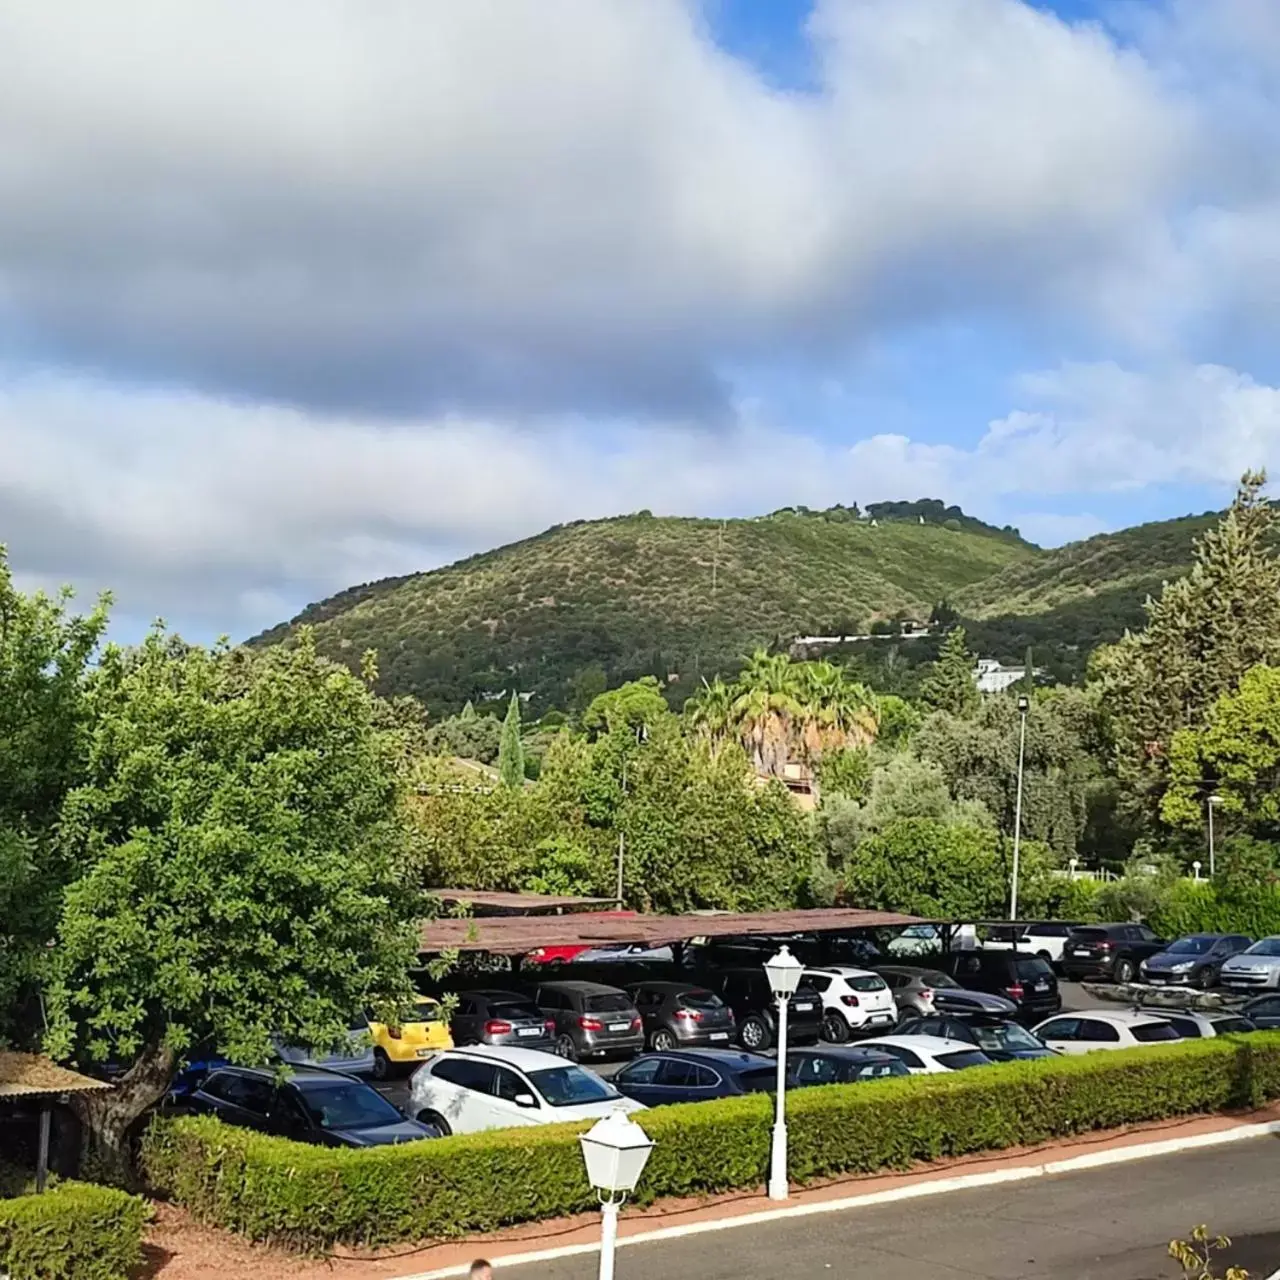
pixel 913 1191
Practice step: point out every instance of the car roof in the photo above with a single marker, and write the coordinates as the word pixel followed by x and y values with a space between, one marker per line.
pixel 508 1055
pixel 582 987
pixel 1117 1017
pixel 925 1044
pixel 841 970
pixel 301 1076
pixel 495 993
pixel 847 1052
pixel 730 1059
pixel 669 987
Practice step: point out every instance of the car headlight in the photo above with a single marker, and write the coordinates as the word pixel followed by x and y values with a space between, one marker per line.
pixel 1183 967
pixel 1142 968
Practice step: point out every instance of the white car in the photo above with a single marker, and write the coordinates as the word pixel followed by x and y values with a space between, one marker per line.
pixel 500 1087
pixel 852 1000
pixel 925 939
pixel 1099 1029
pixel 1045 939
pixel 929 1055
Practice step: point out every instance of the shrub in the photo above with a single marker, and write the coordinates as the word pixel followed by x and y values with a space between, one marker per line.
pixel 73 1232
pixel 271 1189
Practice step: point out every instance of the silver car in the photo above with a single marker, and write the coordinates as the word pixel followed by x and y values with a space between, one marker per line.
pixel 354 1056
pixel 1256 969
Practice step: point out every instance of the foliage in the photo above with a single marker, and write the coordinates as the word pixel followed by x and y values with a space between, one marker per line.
pixel 1234 755
pixel 1195 1255
pixel 73 1231
pixel 613 600
pixel 270 1189
pixel 470 736
pixel 845 772
pixel 634 705
pixel 949 685
pixel 240 854
pixel 511 748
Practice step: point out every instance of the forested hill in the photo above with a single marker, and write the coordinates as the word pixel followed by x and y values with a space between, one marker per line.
pixel 560 613
pixel 642 594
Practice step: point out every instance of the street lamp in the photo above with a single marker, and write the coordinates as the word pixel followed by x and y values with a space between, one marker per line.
pixel 783 972
pixel 1214 801
pixel 615 1150
pixel 1072 864
pixel 1195 870
pixel 1023 705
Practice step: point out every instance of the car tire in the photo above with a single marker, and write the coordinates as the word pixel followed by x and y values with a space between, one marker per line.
pixel 1124 969
pixel 754 1034
pixel 662 1041
pixel 434 1120
pixel 381 1065
pixel 835 1030
pixel 566 1048
pixel 1206 979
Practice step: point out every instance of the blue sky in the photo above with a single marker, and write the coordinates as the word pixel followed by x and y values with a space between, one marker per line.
pixel 366 288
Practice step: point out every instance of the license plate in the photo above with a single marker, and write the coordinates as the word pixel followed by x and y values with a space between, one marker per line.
pixel 619 1026
pixel 530 1031
pixel 719 1035
pixel 1155 982
pixel 805 1007
pixel 881 1017
pixel 1042 984
pixel 1080 951
pixel 424 1053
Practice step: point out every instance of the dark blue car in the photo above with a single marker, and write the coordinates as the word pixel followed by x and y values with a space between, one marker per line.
pixel 692 1075
pixel 1001 1039
pixel 840 1064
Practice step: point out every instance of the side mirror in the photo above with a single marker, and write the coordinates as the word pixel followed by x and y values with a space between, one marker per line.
pixel 526 1100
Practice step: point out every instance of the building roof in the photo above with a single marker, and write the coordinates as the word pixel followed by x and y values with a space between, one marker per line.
pixel 496 902
pixel 514 936
pixel 32 1075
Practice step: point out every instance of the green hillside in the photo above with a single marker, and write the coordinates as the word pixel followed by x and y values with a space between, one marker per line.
pixel 639 594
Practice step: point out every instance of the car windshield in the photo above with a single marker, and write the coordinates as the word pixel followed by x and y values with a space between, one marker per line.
pixel 617 1003
pixel 935 978
pixel 700 1000
pixel 570 1086
pixel 1190 946
pixel 1004 1036
pixel 1154 1032
pixel 866 982
pixel 1265 947
pixel 963 1058
pixel 348 1106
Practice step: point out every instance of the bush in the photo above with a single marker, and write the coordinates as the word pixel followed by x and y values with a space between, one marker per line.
pixel 73 1232
pixel 1190 907
pixel 271 1189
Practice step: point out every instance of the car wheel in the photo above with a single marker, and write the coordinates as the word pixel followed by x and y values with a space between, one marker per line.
pixel 434 1120
pixel 1207 979
pixel 566 1048
pixel 835 1030
pixel 754 1034
pixel 381 1065
pixel 1046 957
pixel 1124 970
pixel 662 1040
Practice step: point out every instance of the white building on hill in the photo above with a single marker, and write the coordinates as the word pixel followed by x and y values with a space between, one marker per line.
pixel 991 677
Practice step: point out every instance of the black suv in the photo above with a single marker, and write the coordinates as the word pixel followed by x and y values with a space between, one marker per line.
pixel 1026 980
pixel 678 1015
pixel 1113 951
pixel 490 1016
pixel 591 1020
pixel 747 993
pixel 312 1105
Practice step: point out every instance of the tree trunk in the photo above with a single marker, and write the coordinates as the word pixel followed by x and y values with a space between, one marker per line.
pixel 108 1119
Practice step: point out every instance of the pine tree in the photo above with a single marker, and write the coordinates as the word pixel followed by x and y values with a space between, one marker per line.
pixel 511 748
pixel 948 685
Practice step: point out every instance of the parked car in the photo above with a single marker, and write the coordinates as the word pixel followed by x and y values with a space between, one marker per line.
pixel 1002 1040
pixel 1108 951
pixel 853 1001
pixel 747 993
pixel 693 1075
pixel 591 1020
pixel 926 939
pixel 1194 960
pixel 841 1064
pixel 490 1016
pixel 925 991
pixel 929 1055
pixel 310 1105
pixel 680 1015
pixel 1098 1029
pixel 1192 1024
pixel 402 1045
pixel 1026 980
pixel 1043 938
pixel 500 1087
pixel 1263 1012
pixel 1255 968
pixel 354 1056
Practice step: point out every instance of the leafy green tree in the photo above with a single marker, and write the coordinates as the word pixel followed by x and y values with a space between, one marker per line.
pixel 511 747
pixel 239 863
pixel 634 705
pixel 949 685
pixel 472 737
pixel 45 652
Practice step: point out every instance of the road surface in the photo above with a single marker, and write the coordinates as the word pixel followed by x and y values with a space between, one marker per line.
pixel 1103 1224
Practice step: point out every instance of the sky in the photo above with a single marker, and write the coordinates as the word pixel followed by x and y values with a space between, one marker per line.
pixel 300 295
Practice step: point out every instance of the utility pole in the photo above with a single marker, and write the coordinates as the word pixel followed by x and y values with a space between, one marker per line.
pixel 1023 705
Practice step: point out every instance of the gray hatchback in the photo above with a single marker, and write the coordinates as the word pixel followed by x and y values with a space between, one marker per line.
pixel 501 1017
pixel 591 1020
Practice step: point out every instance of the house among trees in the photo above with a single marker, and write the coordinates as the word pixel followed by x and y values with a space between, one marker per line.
pixel 993 677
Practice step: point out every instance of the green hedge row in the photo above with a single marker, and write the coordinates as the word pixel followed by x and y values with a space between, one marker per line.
pixel 309 1197
pixel 74 1231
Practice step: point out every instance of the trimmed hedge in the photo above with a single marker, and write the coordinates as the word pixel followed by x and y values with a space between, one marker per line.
pixel 74 1231
pixel 271 1189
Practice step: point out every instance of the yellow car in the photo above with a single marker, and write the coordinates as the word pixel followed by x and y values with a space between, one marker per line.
pixel 421 1033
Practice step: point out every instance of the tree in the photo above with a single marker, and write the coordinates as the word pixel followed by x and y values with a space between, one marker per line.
pixel 634 705
pixel 472 737
pixel 1200 638
pixel 511 748
pixel 240 870
pixel 948 684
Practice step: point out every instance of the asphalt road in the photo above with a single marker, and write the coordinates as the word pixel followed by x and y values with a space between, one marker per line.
pixel 1103 1224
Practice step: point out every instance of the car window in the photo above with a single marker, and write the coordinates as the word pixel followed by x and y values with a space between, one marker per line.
pixel 1225 1026
pixel 466 1073
pixel 1265 947
pixel 896 981
pixel 696 998
pixel 819 982
pixel 1097 1032
pixel 1000 1036
pixel 676 1073
pixel 866 982
pixel 607 1002
pixel 936 978
pixel 758 1080
pixel 1154 1032
pixel 507 1084
pixel 1032 967
pixel 968 964
pixel 1187 1028
pixel 705 1078
pixel 641 1071
pixel 466 1007
pixel 1267 1008
pixel 571 1086
pixel 515 1009
pixel 221 1085
pixel 348 1105
pixel 877 1070
pixel 962 1058
pixel 901 1053
pixel 1238 943
pixel 548 999
pixel 812 1069
pixel 1061 1029
pixel 1191 946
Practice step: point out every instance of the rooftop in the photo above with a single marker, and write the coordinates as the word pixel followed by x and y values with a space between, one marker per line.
pixel 499 902
pixel 32 1075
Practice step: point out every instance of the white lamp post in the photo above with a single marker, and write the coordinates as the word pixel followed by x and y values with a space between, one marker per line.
pixel 1073 863
pixel 1214 801
pixel 615 1150
pixel 1195 869
pixel 783 972
pixel 1023 705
